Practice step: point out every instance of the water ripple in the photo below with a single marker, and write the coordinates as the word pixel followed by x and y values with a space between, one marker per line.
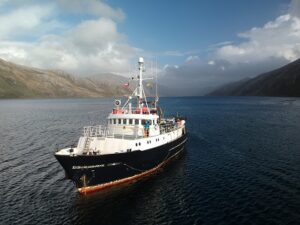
pixel 241 166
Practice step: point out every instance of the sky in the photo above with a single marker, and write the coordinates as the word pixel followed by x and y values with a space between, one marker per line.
pixel 199 45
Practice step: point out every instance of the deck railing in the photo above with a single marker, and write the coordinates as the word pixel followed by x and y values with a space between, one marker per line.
pixel 95 131
pixel 135 110
pixel 103 131
pixel 165 128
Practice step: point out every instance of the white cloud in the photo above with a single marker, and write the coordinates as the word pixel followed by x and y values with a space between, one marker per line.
pixel 220 44
pixel 166 66
pixel 211 62
pixel 294 8
pixel 93 36
pixel 92 46
pixel 192 58
pixel 102 50
pixel 278 38
pixel 261 49
pixel 29 21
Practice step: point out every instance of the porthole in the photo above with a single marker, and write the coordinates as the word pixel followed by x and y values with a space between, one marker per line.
pixel 139 143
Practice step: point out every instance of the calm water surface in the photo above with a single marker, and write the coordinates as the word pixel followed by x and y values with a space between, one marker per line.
pixel 241 166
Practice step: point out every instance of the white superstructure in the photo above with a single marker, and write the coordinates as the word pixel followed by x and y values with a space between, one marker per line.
pixel 135 126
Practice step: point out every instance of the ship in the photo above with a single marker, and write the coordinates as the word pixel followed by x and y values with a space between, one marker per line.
pixel 136 141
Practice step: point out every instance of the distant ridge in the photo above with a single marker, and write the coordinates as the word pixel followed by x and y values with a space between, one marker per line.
pixel 18 81
pixel 284 81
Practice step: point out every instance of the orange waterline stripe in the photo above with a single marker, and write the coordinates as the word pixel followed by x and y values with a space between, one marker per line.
pixel 96 188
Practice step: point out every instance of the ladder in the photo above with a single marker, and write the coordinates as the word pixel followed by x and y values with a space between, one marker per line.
pixel 87 145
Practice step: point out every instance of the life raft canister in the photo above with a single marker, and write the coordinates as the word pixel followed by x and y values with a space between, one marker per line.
pixel 145 110
pixel 117 111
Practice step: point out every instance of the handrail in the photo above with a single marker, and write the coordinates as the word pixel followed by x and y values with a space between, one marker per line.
pixel 168 127
pixel 135 110
pixel 103 131
pixel 95 131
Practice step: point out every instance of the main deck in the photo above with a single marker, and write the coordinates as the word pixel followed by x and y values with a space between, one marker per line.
pixel 97 140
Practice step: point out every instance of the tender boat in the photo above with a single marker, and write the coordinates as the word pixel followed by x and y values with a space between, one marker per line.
pixel 136 141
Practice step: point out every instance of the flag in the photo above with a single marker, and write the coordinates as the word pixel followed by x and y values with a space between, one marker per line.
pixel 149 85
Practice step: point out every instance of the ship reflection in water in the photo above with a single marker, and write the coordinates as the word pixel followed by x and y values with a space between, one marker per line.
pixel 241 165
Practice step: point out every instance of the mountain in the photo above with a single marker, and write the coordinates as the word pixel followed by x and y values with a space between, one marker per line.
pixel 18 81
pixel 284 81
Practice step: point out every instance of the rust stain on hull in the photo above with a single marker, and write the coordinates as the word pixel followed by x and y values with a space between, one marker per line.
pixel 97 188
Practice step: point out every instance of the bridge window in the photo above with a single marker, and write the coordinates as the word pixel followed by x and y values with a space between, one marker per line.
pixel 119 121
pixel 136 122
pixel 130 121
pixel 124 121
pixel 115 121
pixel 146 121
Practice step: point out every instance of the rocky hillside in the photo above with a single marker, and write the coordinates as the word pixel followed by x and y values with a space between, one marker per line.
pixel 18 81
pixel 284 81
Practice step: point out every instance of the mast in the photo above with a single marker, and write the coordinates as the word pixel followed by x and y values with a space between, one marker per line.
pixel 156 93
pixel 140 80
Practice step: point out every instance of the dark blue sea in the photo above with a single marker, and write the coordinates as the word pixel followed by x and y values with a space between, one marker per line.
pixel 241 165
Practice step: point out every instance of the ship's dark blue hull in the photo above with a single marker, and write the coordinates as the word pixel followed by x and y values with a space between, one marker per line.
pixel 95 170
